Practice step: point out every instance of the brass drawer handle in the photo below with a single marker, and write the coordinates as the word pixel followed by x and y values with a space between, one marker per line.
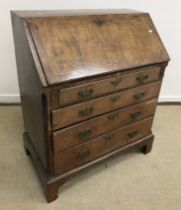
pixel 85 134
pixel 139 95
pixel 83 155
pixel 115 99
pixel 84 94
pixel 132 134
pixel 112 116
pixel 116 82
pixel 86 112
pixel 135 115
pixel 142 78
pixel 109 136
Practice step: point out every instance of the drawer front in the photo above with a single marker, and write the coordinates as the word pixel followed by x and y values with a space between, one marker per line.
pixel 78 155
pixel 80 112
pixel 85 92
pixel 82 132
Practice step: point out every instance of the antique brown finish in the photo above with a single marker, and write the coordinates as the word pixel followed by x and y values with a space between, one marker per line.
pixel 89 84
pixel 99 146
pixel 69 96
pixel 77 113
pixel 84 44
pixel 76 134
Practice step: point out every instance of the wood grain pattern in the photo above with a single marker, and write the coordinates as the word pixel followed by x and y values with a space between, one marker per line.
pixel 75 135
pixel 55 91
pixel 83 111
pixel 68 96
pixel 89 83
pixel 87 151
pixel 82 46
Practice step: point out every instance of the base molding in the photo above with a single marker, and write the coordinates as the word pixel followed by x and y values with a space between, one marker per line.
pixel 169 99
pixel 52 183
pixel 10 99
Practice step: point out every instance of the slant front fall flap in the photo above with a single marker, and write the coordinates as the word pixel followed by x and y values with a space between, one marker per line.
pixel 72 47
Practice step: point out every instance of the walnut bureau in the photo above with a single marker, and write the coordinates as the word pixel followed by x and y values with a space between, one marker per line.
pixel 89 83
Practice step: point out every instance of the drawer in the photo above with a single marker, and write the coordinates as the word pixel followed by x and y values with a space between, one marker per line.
pixel 78 155
pixel 83 111
pixel 82 132
pixel 68 96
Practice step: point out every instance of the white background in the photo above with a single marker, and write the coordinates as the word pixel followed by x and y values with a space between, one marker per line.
pixel 165 14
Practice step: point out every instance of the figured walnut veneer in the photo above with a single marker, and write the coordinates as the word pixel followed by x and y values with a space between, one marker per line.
pixel 89 84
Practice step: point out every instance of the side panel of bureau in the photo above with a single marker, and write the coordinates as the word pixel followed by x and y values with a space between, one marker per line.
pixel 30 90
pixel 92 149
